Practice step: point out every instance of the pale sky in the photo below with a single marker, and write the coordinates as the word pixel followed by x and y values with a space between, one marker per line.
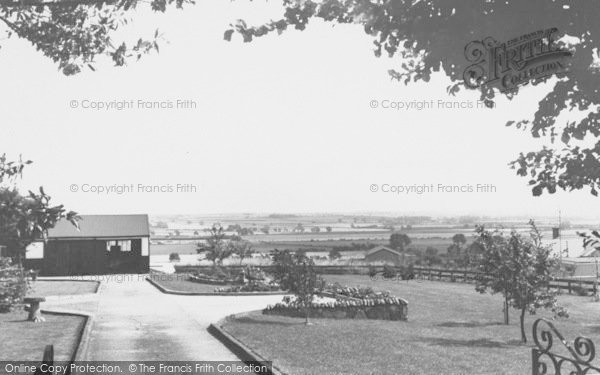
pixel 283 124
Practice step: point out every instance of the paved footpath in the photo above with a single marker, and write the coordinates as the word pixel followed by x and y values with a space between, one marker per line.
pixel 135 321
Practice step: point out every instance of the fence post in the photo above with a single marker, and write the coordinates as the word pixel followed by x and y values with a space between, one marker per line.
pixel 569 286
pixel 48 360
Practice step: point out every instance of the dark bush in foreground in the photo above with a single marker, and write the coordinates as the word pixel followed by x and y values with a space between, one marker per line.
pixel 13 285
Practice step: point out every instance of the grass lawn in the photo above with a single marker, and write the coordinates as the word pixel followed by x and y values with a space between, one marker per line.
pixel 61 288
pixel 25 341
pixel 451 329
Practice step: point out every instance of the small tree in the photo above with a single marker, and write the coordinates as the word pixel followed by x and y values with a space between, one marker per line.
pixel 25 218
pixel 296 273
pixel 215 248
pixel 243 249
pixel 334 254
pixel 458 241
pixel 431 256
pixel 328 229
pixel 174 257
pixel 306 284
pixel 518 268
pixel 399 241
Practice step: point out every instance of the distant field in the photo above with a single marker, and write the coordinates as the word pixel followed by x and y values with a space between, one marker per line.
pixel 166 249
pixel 310 246
pixel 451 329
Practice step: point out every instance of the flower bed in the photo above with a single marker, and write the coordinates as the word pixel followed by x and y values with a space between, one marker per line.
pixel 203 279
pixel 382 308
pixel 216 276
pixel 252 286
pixel 344 292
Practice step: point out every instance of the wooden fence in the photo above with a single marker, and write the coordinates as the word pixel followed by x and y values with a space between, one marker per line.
pixel 570 285
pixel 424 273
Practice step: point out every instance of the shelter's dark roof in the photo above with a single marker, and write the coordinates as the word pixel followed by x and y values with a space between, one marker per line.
pixel 92 226
pixel 380 248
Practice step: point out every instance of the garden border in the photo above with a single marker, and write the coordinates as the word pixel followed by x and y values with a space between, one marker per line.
pixel 232 294
pixel 99 283
pixel 84 337
pixel 236 346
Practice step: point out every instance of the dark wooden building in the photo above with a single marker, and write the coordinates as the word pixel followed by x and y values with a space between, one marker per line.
pixel 104 244
pixel 382 254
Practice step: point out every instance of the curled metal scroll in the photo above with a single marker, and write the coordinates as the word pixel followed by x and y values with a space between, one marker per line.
pixel 582 351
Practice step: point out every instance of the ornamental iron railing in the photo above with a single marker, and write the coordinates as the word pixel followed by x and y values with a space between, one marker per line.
pixel 546 360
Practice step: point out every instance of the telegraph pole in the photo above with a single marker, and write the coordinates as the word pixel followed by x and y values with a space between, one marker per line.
pixel 559 237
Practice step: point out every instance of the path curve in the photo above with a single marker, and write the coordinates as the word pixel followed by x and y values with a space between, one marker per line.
pixel 133 321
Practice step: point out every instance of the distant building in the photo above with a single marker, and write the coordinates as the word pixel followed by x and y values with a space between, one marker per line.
pixel 104 244
pixel 383 254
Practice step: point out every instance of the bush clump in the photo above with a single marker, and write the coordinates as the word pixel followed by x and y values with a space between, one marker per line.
pixel 13 285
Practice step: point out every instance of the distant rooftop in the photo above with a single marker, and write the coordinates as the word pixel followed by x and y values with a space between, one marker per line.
pixel 94 226
pixel 384 248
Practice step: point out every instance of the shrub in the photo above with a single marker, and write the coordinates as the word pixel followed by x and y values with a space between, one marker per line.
pixel 254 274
pixel 174 257
pixel 13 285
pixel 389 272
pixel 408 272
pixel 335 254
pixel 580 291
pixel 372 271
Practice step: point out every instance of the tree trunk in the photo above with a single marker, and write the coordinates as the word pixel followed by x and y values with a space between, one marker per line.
pixel 307 321
pixel 506 310
pixel 523 336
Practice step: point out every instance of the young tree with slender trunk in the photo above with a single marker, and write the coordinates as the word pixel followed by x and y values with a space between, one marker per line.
pixel 216 249
pixel 518 268
pixel 242 248
pixel 296 273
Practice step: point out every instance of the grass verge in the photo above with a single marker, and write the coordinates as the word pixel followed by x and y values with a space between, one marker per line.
pixel 25 341
pixel 451 329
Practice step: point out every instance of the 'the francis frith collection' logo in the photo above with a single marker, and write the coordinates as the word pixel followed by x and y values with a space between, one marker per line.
pixel 514 63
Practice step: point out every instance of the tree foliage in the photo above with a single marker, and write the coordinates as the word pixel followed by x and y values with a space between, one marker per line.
pixel 242 248
pixel 399 241
pixel 518 268
pixel 296 272
pixel 216 248
pixel 75 33
pixel 334 254
pixel 430 36
pixel 13 284
pixel 456 249
pixel 25 218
